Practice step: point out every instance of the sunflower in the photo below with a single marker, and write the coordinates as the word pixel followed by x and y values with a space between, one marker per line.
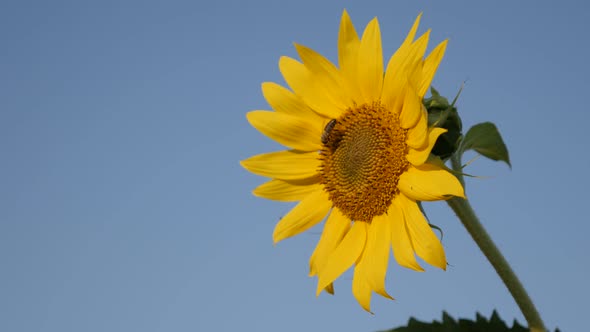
pixel 359 156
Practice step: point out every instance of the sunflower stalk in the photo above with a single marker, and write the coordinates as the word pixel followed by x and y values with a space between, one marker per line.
pixel 467 215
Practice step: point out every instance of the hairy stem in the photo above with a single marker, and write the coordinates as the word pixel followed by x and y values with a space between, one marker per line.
pixel 465 212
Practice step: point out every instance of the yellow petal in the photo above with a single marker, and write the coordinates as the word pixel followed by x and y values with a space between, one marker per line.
pixel 414 73
pixel 342 258
pixel 325 74
pixel 418 48
pixel 424 241
pixel 418 135
pixel 403 251
pixel 348 48
pixel 308 213
pixel 336 227
pixel 430 67
pixel 412 33
pixel 376 255
pixel 428 182
pixel 330 289
pixel 302 83
pixel 284 165
pixel 370 63
pixel 285 191
pixel 412 109
pixel 393 73
pixel 284 101
pixel 393 92
pixel 360 285
pixel 348 41
pixel 288 130
pixel 413 64
pixel 418 157
pixel 404 67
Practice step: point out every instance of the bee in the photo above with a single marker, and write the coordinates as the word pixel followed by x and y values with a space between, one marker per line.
pixel 327 130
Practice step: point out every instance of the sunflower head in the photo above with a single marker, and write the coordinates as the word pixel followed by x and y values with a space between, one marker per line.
pixel 358 153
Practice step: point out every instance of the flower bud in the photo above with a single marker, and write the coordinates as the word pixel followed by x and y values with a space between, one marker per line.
pixel 444 115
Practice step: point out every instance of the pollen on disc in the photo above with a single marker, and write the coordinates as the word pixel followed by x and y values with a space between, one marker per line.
pixel 362 159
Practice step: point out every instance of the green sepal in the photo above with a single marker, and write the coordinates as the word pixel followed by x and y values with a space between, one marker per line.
pixel 485 139
pixel 443 114
pixel 435 160
pixel 433 226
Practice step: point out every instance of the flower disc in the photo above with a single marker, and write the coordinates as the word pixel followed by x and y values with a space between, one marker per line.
pixel 362 159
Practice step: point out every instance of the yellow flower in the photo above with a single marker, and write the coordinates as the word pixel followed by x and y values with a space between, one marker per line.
pixel 359 150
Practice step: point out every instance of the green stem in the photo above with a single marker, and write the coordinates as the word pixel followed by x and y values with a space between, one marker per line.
pixel 465 212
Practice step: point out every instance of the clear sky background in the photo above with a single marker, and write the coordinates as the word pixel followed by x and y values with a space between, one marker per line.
pixel 123 206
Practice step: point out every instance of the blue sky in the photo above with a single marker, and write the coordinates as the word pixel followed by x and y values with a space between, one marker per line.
pixel 123 206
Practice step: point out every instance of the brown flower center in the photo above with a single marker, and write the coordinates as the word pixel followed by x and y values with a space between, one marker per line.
pixel 363 156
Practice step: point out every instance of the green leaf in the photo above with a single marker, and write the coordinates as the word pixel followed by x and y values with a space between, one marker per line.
pixel 448 324
pixel 486 140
